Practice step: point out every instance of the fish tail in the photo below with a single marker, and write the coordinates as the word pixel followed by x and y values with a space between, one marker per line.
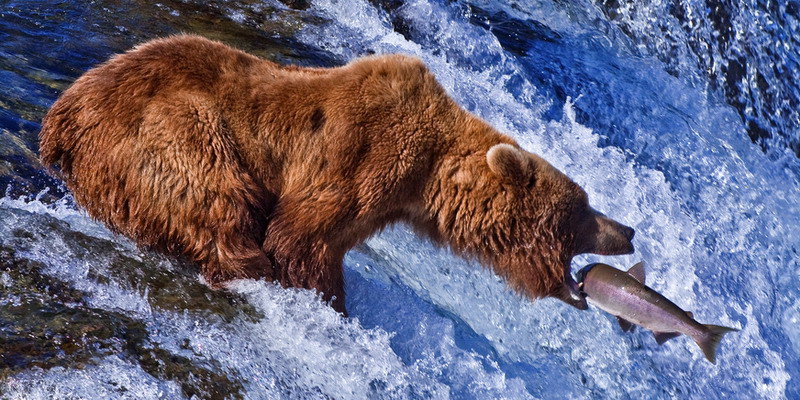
pixel 709 341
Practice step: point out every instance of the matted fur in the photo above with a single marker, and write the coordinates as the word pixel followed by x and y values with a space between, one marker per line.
pixel 253 169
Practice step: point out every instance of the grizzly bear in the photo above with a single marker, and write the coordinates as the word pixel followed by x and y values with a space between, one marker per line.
pixel 256 170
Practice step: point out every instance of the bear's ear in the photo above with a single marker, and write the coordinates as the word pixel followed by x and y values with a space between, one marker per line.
pixel 509 162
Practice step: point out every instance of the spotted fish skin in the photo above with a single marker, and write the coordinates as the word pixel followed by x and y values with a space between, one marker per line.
pixel 625 295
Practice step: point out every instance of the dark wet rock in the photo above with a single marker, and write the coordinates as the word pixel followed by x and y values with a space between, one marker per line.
pixel 195 380
pixel 514 35
pixel 45 322
pixel 168 284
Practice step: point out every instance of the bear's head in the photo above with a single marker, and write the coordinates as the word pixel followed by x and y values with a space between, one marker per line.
pixel 526 219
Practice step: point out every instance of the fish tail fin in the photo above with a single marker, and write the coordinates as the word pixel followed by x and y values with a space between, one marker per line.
pixel 710 340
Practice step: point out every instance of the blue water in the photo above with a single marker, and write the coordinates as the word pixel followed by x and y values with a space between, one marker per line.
pixel 658 143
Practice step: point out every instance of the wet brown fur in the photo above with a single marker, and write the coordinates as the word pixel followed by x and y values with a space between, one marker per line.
pixel 253 169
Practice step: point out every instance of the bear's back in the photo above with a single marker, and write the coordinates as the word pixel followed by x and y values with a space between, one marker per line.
pixel 108 102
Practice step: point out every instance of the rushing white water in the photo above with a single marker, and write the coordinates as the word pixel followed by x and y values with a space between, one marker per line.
pixel 716 222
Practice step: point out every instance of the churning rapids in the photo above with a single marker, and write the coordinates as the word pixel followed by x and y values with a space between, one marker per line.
pixel 610 93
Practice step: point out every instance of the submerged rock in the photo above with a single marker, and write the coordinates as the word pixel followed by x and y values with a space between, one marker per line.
pixel 46 322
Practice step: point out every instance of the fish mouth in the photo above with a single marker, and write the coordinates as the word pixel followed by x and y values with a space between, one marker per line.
pixel 576 297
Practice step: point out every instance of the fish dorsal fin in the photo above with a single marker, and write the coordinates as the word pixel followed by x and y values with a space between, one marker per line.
pixel 626 325
pixel 662 337
pixel 637 271
pixel 689 313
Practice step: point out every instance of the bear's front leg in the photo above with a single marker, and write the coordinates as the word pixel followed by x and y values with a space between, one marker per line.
pixel 300 268
pixel 305 261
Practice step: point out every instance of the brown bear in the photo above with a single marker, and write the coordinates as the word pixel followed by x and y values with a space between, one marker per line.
pixel 257 170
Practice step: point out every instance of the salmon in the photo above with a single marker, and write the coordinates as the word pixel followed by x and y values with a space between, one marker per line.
pixel 625 295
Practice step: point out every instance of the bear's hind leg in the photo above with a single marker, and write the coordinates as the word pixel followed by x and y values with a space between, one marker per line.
pixel 188 191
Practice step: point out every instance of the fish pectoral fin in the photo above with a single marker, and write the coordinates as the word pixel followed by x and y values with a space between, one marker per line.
pixel 627 326
pixel 662 337
pixel 637 271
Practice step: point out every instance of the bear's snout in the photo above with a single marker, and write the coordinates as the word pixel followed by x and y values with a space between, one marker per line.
pixel 606 237
pixel 628 232
pixel 614 238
